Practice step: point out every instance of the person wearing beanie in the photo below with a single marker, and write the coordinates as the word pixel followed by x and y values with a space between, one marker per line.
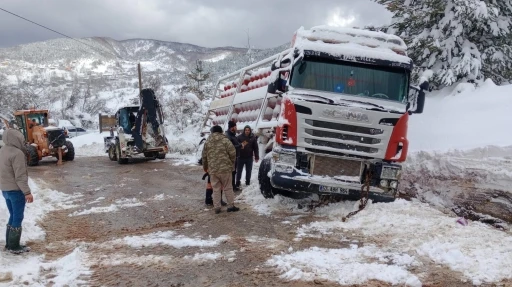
pixel 231 134
pixel 218 159
pixel 249 149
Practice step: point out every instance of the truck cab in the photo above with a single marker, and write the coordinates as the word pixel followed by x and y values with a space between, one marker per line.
pixel 334 114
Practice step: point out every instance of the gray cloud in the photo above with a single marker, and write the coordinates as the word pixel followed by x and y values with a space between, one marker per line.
pixel 208 23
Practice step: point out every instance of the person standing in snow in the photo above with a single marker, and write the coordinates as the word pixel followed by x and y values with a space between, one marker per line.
pixel 14 186
pixel 218 159
pixel 249 149
pixel 231 134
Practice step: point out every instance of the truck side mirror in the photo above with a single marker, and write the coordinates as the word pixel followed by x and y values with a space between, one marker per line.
pixel 279 85
pixel 420 102
pixel 420 99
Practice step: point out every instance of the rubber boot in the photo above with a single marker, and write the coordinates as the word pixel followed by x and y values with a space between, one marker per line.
pixel 14 241
pixel 7 229
pixel 208 200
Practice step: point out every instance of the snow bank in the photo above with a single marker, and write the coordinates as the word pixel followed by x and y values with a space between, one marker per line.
pixel 481 253
pixel 460 121
pixel 89 144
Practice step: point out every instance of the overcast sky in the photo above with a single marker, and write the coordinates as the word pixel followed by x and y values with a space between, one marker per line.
pixel 208 23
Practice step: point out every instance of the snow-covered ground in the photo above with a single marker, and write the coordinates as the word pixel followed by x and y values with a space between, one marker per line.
pixel 466 120
pixel 28 269
pixel 461 132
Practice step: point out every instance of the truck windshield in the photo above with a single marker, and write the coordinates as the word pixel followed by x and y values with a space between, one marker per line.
pixel 351 78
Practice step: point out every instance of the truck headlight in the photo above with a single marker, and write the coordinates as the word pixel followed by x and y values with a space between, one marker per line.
pixel 285 158
pixel 390 172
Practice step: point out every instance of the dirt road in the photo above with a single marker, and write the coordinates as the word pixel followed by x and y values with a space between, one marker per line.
pixel 146 224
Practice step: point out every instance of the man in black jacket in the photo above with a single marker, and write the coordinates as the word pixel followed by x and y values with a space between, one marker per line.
pixel 231 134
pixel 249 148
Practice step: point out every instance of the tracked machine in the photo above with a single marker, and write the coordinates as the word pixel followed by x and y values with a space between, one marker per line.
pixel 331 113
pixel 139 131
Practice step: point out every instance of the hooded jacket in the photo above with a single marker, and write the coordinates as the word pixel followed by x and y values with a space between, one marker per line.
pixel 250 147
pixel 13 163
pixel 219 154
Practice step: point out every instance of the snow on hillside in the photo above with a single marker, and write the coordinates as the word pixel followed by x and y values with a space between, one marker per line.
pixel 218 58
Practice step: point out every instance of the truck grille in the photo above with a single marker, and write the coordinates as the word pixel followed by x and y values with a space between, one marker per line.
pixel 361 138
pixel 354 138
pixel 333 167
pixel 342 146
pixel 345 128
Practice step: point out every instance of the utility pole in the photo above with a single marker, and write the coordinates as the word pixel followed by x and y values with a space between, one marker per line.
pixel 140 83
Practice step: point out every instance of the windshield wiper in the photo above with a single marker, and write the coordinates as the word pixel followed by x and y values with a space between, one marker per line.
pixel 316 96
pixel 366 103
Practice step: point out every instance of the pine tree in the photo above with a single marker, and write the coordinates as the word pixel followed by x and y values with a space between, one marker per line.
pixel 458 40
pixel 199 77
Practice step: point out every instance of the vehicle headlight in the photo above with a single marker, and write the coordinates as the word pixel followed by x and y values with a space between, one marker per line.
pixel 285 158
pixel 390 172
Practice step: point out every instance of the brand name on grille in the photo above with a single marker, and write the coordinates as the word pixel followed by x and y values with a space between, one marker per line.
pixel 345 114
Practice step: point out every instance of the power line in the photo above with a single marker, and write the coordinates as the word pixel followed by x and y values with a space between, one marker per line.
pixel 92 47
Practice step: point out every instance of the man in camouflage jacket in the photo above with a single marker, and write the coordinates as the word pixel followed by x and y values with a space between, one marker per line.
pixel 218 159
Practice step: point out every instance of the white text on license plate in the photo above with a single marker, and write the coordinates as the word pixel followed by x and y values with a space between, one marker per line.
pixel 333 189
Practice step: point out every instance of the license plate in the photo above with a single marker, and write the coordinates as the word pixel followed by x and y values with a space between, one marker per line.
pixel 333 189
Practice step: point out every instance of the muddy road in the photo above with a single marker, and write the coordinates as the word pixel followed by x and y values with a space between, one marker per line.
pixel 145 224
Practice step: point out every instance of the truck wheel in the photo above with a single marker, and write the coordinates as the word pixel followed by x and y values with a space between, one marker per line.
pixel 120 160
pixel 70 155
pixel 112 153
pixel 161 155
pixel 33 157
pixel 265 187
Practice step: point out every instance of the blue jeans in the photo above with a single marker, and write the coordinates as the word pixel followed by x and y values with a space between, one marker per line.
pixel 15 200
pixel 247 162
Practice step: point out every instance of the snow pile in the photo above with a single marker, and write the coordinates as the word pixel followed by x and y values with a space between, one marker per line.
pixel 169 238
pixel 69 270
pixel 428 175
pixel 89 144
pixel 461 121
pixel 346 266
pixel 117 205
pixel 481 253
pixel 252 196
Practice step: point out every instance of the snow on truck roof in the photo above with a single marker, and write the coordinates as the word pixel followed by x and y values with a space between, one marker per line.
pixel 351 42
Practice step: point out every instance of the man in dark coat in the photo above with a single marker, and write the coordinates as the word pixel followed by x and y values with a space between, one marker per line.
pixel 231 134
pixel 249 149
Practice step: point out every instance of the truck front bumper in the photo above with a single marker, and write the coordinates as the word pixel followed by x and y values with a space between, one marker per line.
pixel 300 183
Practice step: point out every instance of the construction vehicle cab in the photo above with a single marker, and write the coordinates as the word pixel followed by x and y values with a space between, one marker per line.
pixel 139 131
pixel 42 139
pixel 331 111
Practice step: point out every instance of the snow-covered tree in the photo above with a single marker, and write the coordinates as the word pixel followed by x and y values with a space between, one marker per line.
pixel 199 78
pixel 458 40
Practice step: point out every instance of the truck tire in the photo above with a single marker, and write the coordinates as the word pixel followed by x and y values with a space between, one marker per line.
pixel 70 155
pixel 161 155
pixel 33 157
pixel 112 153
pixel 266 188
pixel 118 153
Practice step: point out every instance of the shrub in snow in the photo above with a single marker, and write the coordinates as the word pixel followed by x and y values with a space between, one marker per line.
pixel 459 40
